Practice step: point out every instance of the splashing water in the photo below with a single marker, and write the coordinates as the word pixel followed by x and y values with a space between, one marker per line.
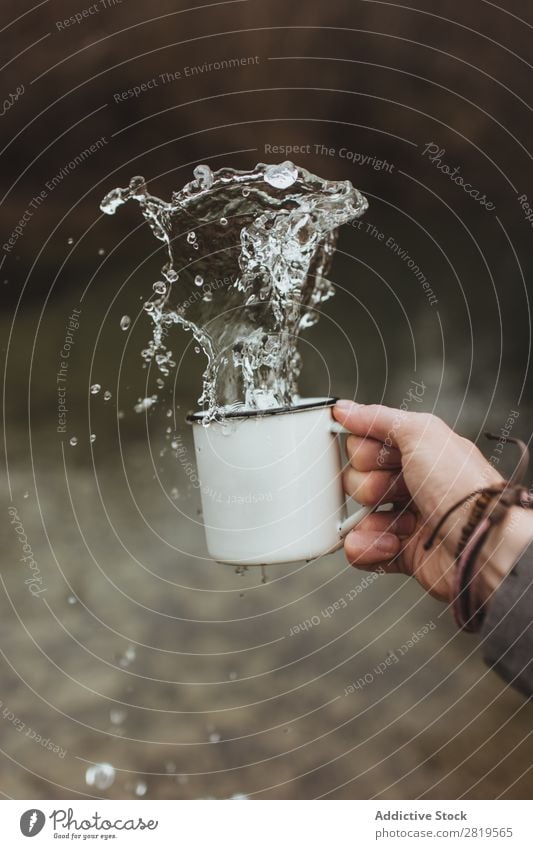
pixel 247 256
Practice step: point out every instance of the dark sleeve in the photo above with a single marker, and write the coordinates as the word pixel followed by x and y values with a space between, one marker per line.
pixel 507 632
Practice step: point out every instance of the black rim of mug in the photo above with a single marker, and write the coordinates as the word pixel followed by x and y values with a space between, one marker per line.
pixel 199 416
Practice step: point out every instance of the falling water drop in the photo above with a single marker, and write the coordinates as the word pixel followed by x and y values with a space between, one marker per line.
pixel 107 395
pixel 125 322
pixel 101 776
pixel 73 440
pixel 95 388
pixel 145 404
pixel 198 280
pixel 117 716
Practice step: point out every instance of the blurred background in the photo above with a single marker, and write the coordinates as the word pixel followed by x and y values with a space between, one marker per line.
pixel 132 666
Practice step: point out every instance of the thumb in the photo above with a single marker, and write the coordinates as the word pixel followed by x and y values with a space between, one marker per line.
pixel 396 428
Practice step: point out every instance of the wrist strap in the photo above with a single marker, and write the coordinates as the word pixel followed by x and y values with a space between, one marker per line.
pixel 490 509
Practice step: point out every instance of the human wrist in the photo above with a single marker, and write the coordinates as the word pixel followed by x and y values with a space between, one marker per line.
pixel 503 549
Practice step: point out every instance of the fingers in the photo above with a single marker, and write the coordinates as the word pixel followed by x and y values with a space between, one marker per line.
pixel 368 454
pixel 367 548
pixel 401 524
pixel 377 540
pixel 375 487
pixel 395 428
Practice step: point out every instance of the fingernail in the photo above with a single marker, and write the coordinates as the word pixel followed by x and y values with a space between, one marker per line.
pixel 346 406
pixel 387 544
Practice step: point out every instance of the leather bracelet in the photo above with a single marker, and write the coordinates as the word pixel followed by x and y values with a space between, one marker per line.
pixel 489 510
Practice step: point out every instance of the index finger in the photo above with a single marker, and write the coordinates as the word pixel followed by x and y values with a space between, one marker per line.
pixel 374 420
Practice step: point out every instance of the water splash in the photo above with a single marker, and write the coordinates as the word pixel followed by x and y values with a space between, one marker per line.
pixel 248 252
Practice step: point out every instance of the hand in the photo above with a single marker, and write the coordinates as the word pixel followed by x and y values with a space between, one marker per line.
pixel 416 461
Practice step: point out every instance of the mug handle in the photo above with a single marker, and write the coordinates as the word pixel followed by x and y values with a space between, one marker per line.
pixel 356 518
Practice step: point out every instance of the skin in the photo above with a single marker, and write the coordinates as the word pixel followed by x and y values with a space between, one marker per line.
pixel 417 462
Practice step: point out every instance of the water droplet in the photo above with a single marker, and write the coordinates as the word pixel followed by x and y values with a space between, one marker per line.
pixel 125 322
pixel 170 767
pixel 233 676
pixel 95 388
pixel 93 437
pixel 159 287
pixel 191 237
pixel 101 776
pixel 214 737
pixel 224 221
pixel 245 192
pixel 26 495
pixel 208 296
pixel 107 395
pixel 72 599
pixel 144 404
pixel 128 657
pixel 239 796
pixel 117 716
pixel 281 176
pixel 70 240
pixel 73 440
pixel 203 176
pixel 174 493
pixel 101 251
pixel 198 280
pixel 141 788
pixel 196 349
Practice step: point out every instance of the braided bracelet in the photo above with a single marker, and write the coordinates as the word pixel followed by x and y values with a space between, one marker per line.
pixel 489 509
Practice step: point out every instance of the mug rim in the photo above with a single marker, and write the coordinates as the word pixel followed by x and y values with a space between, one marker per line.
pixel 306 404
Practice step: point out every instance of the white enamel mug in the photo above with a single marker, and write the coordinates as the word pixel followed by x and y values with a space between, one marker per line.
pixel 271 485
